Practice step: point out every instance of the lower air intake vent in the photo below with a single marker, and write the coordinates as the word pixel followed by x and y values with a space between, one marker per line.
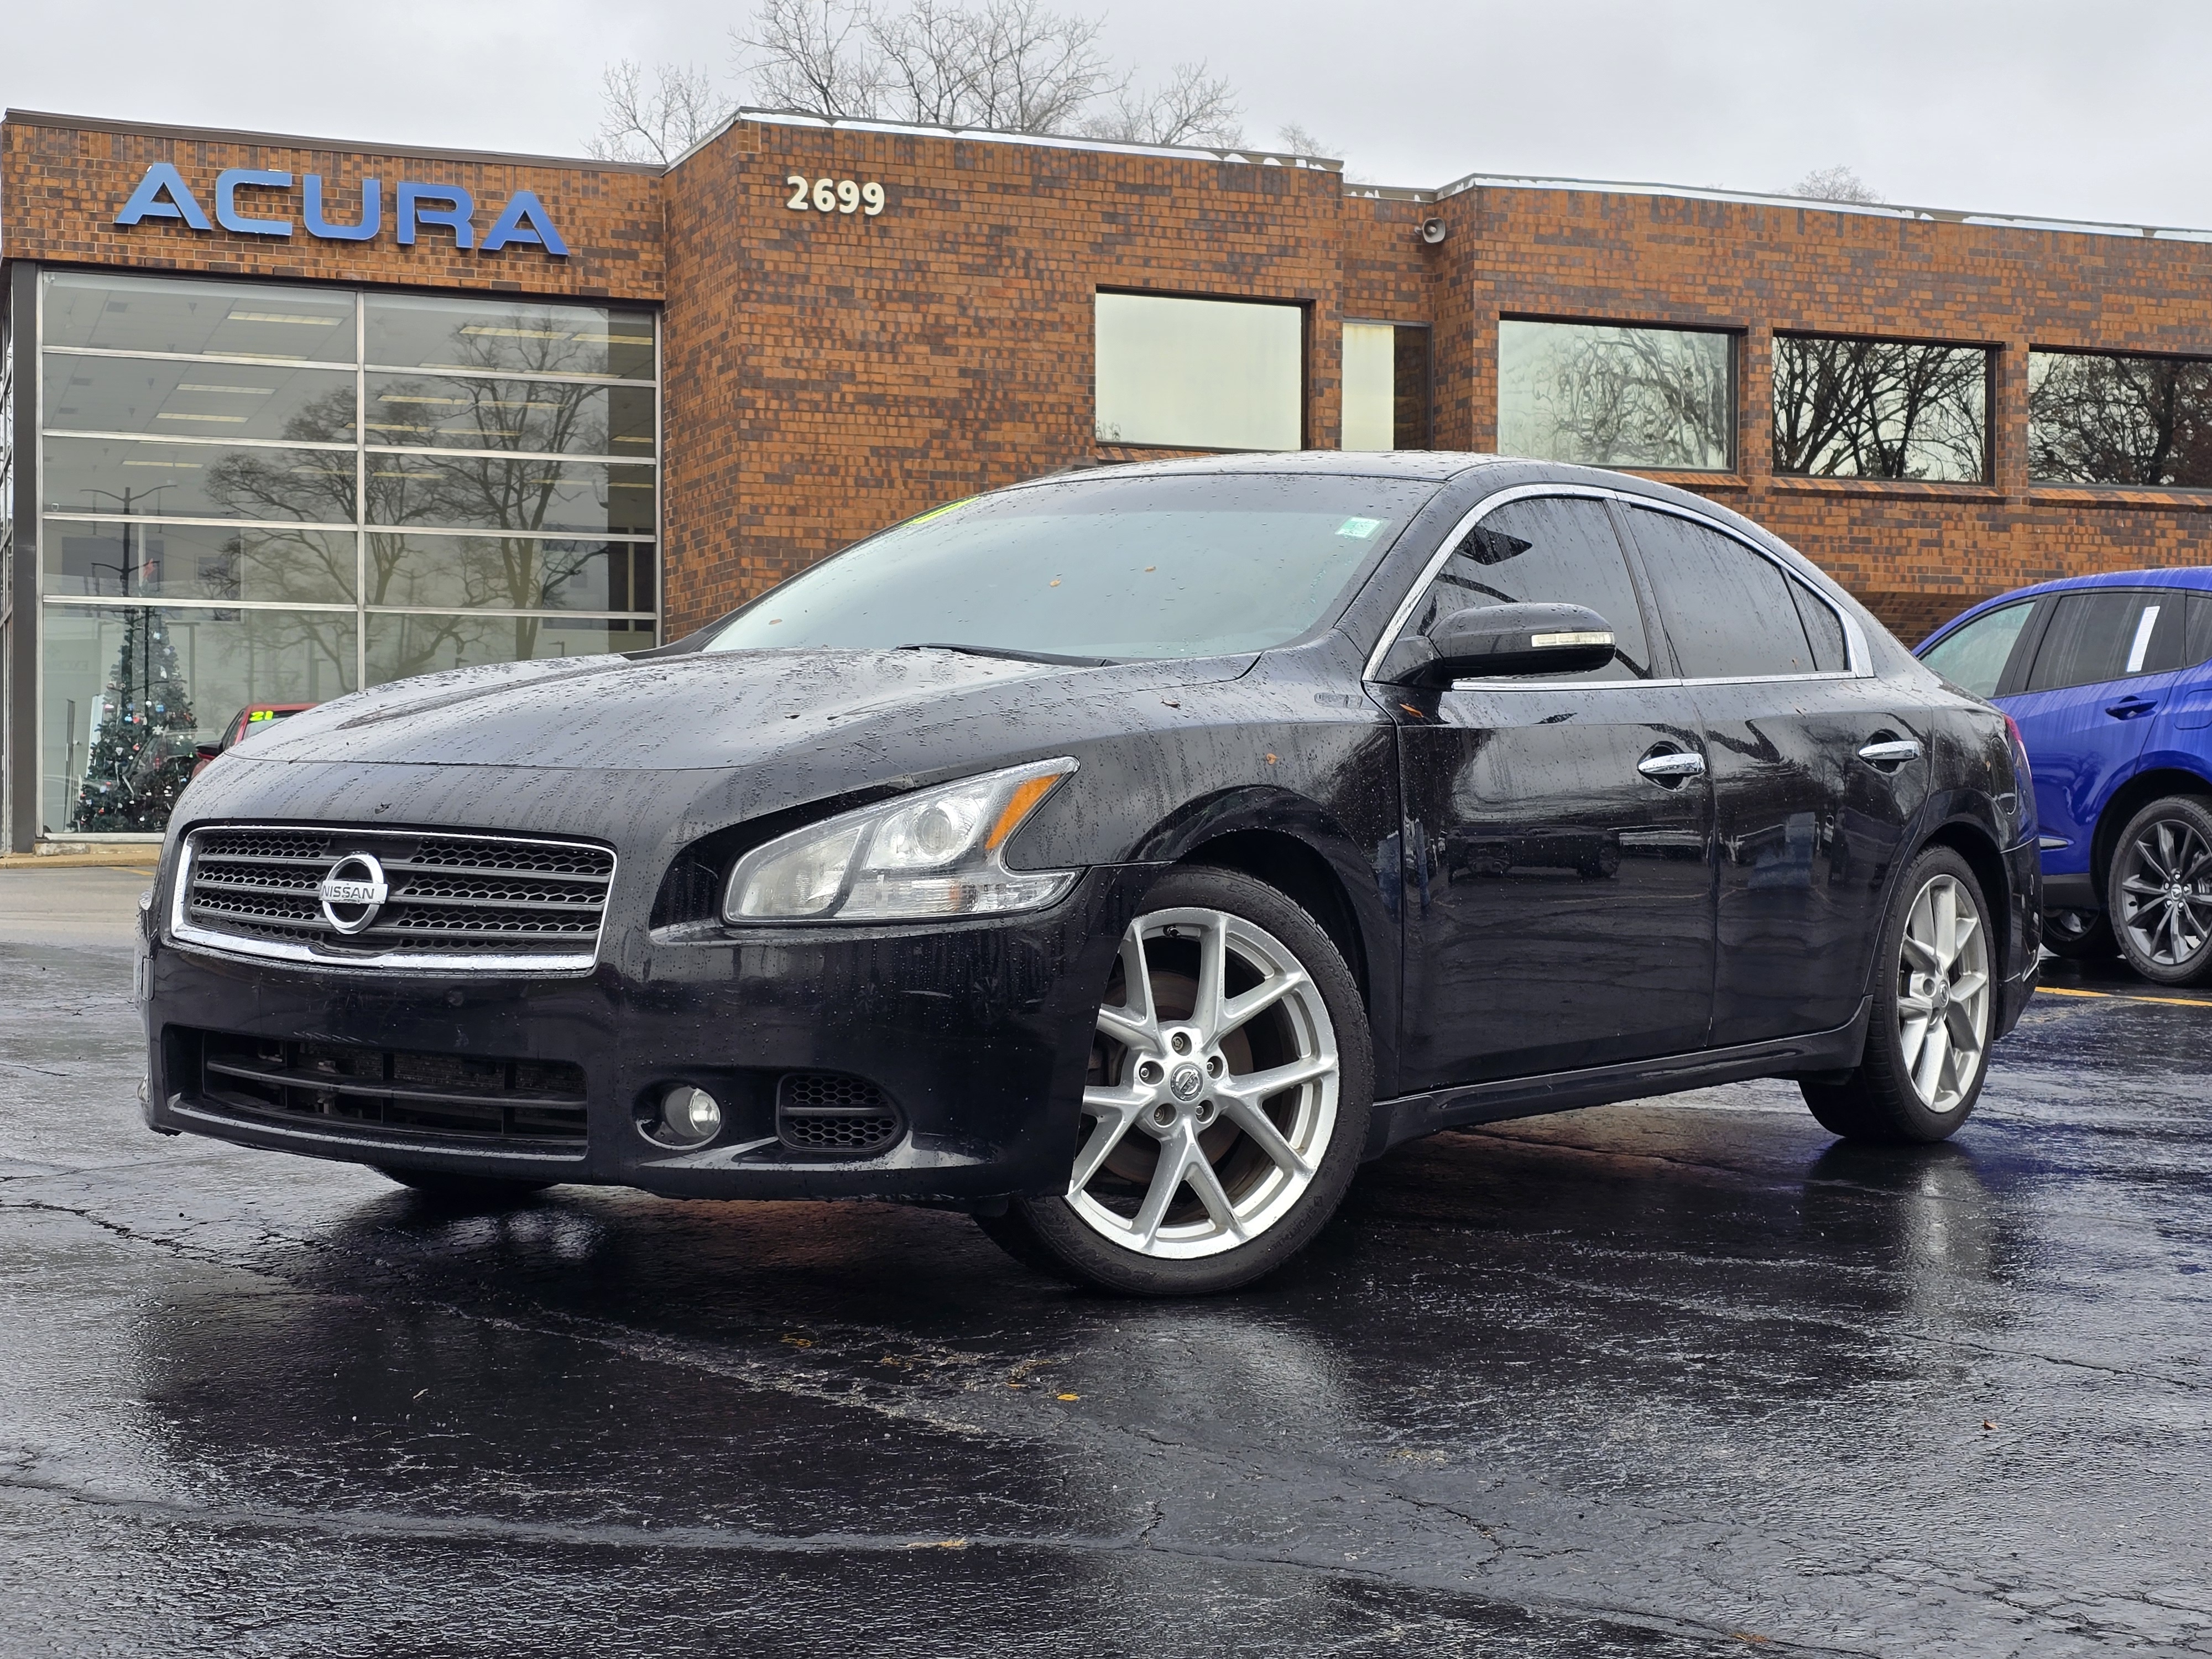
pixel 829 1112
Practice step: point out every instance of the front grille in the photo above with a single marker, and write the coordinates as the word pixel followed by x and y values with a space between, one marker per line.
pixel 452 900
pixel 391 1094
pixel 829 1112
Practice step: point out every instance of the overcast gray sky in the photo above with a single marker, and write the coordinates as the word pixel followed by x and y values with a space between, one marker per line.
pixel 2094 110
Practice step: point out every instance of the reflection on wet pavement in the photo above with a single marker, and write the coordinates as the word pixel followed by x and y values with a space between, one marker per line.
pixel 1647 1379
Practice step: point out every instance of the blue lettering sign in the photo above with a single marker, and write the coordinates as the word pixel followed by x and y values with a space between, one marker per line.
pixel 163 194
pixel 460 207
pixel 523 223
pixel 372 212
pixel 229 182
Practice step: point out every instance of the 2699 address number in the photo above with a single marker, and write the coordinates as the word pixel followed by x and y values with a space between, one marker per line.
pixel 835 196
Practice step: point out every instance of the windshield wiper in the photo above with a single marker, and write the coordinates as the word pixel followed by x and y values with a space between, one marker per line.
pixel 1009 653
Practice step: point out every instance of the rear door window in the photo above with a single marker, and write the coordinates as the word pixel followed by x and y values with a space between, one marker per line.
pixel 1730 612
pixel 2107 634
pixel 1973 658
pixel 1548 550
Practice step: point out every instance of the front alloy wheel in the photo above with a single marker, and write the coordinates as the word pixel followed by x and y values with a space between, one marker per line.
pixel 1227 1099
pixel 2161 891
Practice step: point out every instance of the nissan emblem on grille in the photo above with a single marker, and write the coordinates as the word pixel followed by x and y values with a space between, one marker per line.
pixel 355 884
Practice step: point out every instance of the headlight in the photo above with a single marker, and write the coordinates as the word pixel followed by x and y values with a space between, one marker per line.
pixel 938 852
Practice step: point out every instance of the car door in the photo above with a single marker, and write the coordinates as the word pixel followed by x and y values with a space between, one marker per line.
pixel 2106 662
pixel 2181 726
pixel 1815 772
pixel 1558 896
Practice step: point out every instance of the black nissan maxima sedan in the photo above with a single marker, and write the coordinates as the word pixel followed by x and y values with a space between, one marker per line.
pixel 1123 858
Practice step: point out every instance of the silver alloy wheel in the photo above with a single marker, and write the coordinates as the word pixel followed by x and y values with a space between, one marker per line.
pixel 2166 893
pixel 1943 992
pixel 1212 1092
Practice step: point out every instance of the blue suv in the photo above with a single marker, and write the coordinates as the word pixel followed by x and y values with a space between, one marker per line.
pixel 2109 679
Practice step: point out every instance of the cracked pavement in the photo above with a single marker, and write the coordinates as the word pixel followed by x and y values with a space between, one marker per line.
pixel 1683 1378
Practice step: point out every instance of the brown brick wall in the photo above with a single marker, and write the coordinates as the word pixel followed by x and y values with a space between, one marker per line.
pixel 827 374
pixel 1916 553
pixel 62 186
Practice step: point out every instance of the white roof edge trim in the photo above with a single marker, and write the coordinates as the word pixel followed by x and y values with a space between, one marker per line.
pixel 790 118
pixel 1878 210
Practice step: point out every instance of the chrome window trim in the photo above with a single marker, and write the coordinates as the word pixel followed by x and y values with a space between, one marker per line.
pixel 1855 641
pixel 185 935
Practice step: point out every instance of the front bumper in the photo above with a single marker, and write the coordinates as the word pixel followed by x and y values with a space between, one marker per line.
pixel 979 1031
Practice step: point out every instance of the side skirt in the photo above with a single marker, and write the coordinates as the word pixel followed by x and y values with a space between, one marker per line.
pixel 1411 1116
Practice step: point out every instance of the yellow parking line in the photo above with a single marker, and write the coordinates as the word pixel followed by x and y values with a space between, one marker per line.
pixel 2120 996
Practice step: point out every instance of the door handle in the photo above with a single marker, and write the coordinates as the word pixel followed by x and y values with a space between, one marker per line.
pixel 1893 751
pixel 1672 766
pixel 2128 707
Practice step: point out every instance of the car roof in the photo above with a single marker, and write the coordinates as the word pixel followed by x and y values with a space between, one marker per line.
pixel 1421 465
pixel 2196 577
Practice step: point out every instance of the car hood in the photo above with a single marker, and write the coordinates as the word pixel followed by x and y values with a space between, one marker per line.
pixel 699 710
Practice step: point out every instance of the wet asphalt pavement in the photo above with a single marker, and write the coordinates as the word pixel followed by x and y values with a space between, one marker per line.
pixel 1680 1379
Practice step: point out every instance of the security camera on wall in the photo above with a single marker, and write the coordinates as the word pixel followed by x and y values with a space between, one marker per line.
pixel 1432 231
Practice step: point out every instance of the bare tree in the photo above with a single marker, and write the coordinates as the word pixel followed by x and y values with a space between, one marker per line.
pixel 2097 419
pixel 1837 183
pixel 1879 409
pixel 817 56
pixel 1194 107
pixel 1010 65
pixel 1299 141
pixel 659 123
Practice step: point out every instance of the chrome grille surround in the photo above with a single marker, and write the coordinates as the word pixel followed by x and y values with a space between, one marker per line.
pixel 460 901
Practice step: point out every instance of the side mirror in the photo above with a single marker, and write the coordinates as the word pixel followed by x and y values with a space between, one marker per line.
pixel 1500 639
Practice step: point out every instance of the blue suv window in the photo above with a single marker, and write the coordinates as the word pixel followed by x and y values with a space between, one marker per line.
pixel 1973 659
pixel 2111 633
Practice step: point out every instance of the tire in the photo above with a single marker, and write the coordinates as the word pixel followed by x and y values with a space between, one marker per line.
pixel 2079 935
pixel 2159 891
pixel 1257 1174
pixel 1904 1089
pixel 473 1192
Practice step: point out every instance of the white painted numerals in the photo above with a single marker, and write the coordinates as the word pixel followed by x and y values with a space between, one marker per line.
pixel 835 196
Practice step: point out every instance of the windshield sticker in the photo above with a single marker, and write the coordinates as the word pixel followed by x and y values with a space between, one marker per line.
pixel 937 511
pixel 1361 529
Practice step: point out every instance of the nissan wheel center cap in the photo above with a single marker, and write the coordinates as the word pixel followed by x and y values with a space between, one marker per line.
pixel 354 892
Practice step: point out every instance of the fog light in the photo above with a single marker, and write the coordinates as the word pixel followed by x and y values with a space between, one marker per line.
pixel 692 1115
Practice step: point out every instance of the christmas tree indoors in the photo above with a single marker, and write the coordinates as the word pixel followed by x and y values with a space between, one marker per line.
pixel 144 738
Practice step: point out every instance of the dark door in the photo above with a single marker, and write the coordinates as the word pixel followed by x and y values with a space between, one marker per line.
pixel 1559 888
pixel 1815 772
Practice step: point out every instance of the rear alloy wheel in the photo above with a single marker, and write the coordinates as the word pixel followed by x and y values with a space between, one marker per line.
pixel 1226 1103
pixel 2161 891
pixel 1934 1008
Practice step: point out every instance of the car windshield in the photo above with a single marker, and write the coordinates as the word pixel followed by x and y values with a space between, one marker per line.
pixel 1098 568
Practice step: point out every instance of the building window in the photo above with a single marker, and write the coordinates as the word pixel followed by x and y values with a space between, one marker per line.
pixel 1200 373
pixel 2098 418
pixel 255 494
pixel 1656 397
pixel 1880 408
pixel 1386 386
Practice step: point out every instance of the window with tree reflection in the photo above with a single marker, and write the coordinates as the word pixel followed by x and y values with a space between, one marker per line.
pixel 1606 396
pixel 2098 417
pixel 1848 407
pixel 261 484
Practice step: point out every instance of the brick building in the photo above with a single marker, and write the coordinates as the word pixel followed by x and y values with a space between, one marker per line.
pixel 287 418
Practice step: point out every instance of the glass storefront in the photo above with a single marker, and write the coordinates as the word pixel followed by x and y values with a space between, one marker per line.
pixel 255 494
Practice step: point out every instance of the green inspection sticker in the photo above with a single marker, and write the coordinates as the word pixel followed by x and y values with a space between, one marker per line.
pixel 936 512
pixel 1360 528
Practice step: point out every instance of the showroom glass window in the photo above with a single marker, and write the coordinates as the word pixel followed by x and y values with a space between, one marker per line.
pixel 1660 397
pixel 1847 408
pixel 262 494
pixel 2102 418
pixel 1180 373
